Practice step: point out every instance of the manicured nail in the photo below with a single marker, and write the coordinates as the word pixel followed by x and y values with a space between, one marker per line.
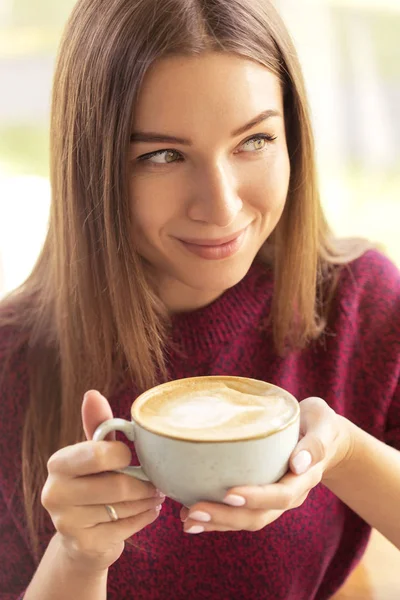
pixel 159 507
pixel 195 529
pixel 234 500
pixel 199 515
pixel 301 462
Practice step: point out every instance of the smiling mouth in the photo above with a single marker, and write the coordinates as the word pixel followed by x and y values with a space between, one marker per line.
pixel 216 242
pixel 217 249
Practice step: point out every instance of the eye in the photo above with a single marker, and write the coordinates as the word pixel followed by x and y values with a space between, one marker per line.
pixel 257 143
pixel 161 157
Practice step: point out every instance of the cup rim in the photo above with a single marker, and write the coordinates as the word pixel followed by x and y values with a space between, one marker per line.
pixel 141 399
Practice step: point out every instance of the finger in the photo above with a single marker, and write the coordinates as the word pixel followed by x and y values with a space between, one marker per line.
pixel 184 512
pixel 87 458
pixel 124 510
pixel 231 519
pixel 125 528
pixel 301 500
pixel 282 495
pixel 114 532
pixel 95 410
pixel 105 488
pixel 218 515
pixel 195 528
pixel 84 517
pixel 319 429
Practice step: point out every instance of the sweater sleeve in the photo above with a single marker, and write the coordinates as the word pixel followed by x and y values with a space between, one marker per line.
pixel 16 563
pixel 392 434
pixel 383 294
pixel 374 306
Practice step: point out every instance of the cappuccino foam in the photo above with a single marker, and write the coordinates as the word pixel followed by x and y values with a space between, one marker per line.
pixel 217 411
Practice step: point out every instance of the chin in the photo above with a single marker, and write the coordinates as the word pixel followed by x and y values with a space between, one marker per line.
pixel 216 276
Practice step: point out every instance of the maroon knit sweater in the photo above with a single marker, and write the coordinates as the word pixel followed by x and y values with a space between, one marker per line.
pixel 309 551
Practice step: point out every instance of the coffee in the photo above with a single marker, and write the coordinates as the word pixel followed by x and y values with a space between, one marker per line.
pixel 177 428
pixel 215 409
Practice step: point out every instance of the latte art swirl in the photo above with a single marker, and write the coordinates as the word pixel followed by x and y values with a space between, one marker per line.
pixel 204 412
pixel 217 412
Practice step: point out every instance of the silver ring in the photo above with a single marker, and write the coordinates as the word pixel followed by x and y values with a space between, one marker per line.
pixel 112 513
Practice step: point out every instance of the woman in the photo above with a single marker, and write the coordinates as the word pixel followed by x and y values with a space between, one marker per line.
pixel 186 237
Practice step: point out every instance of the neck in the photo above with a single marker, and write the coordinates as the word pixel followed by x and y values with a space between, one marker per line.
pixel 179 298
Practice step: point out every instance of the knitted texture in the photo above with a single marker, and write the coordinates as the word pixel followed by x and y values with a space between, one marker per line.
pixel 309 551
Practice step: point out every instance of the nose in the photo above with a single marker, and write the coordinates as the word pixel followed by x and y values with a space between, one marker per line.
pixel 215 200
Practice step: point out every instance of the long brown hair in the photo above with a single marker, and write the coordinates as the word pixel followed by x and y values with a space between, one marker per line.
pixel 87 313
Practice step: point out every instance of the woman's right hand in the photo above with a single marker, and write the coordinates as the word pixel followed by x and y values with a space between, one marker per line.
pixel 80 484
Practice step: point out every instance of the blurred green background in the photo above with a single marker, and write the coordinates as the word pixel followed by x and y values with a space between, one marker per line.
pixel 350 52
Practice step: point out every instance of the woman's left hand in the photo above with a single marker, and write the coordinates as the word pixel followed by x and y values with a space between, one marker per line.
pixel 325 443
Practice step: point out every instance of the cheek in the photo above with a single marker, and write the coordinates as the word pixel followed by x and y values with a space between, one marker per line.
pixel 271 183
pixel 281 177
pixel 152 204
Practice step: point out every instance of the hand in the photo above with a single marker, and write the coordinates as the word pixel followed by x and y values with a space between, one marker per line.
pixel 80 483
pixel 325 443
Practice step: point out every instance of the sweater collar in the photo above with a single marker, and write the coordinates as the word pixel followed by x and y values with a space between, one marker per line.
pixel 238 309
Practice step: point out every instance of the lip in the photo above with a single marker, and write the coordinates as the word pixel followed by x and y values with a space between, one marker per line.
pixel 216 249
pixel 216 242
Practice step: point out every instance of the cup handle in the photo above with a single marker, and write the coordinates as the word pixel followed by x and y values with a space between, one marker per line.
pixel 128 428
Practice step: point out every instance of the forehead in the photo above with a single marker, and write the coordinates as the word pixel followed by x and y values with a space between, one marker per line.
pixel 214 91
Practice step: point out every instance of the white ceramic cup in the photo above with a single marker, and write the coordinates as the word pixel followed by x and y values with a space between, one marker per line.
pixel 192 471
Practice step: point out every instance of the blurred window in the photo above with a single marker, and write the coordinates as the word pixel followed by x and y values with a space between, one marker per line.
pixel 350 51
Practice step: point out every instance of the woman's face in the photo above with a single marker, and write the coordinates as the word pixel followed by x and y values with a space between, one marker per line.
pixel 209 173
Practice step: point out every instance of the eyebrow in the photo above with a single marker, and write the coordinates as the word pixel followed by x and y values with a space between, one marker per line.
pixel 152 137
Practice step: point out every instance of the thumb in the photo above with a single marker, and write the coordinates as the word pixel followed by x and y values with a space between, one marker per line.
pixel 317 432
pixel 95 410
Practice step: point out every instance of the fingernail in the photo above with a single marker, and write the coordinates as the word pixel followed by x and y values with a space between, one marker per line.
pixel 302 461
pixel 234 500
pixel 199 515
pixel 159 494
pixel 159 507
pixel 195 529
